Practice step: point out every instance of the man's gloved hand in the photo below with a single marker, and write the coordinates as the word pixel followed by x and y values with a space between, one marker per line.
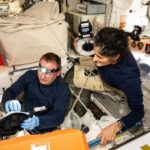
pixel 30 123
pixel 13 105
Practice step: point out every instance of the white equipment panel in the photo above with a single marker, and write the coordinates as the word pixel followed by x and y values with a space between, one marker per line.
pixel 137 143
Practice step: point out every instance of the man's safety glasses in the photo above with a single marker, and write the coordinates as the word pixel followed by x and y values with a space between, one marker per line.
pixel 45 70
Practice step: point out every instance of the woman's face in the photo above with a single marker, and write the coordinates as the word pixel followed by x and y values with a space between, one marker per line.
pixel 103 60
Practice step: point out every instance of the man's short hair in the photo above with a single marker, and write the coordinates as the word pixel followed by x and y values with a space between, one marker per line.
pixel 51 57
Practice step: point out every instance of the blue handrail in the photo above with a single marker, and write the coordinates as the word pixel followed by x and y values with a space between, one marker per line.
pixel 94 142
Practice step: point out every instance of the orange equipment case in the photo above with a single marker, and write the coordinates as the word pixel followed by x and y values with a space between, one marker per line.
pixel 68 139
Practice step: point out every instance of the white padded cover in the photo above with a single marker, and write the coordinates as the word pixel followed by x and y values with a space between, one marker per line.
pixel 26 38
pixel 27 46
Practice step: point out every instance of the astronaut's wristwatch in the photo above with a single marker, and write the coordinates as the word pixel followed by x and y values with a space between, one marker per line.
pixel 121 124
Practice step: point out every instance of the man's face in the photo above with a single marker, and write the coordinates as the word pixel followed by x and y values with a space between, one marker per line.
pixel 46 77
pixel 103 60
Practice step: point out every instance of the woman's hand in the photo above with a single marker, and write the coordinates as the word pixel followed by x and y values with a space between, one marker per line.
pixel 108 134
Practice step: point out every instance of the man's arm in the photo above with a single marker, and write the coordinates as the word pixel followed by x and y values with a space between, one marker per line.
pixel 59 111
pixel 14 90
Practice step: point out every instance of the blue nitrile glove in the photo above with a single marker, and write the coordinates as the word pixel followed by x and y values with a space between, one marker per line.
pixel 30 123
pixel 13 105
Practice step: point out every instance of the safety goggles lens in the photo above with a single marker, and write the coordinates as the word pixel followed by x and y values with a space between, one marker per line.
pixel 46 70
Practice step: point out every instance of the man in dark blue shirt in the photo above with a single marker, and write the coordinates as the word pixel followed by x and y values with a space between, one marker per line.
pixel 118 68
pixel 44 91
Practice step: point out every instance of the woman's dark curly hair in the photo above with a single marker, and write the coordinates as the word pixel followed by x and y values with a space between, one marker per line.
pixel 112 41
